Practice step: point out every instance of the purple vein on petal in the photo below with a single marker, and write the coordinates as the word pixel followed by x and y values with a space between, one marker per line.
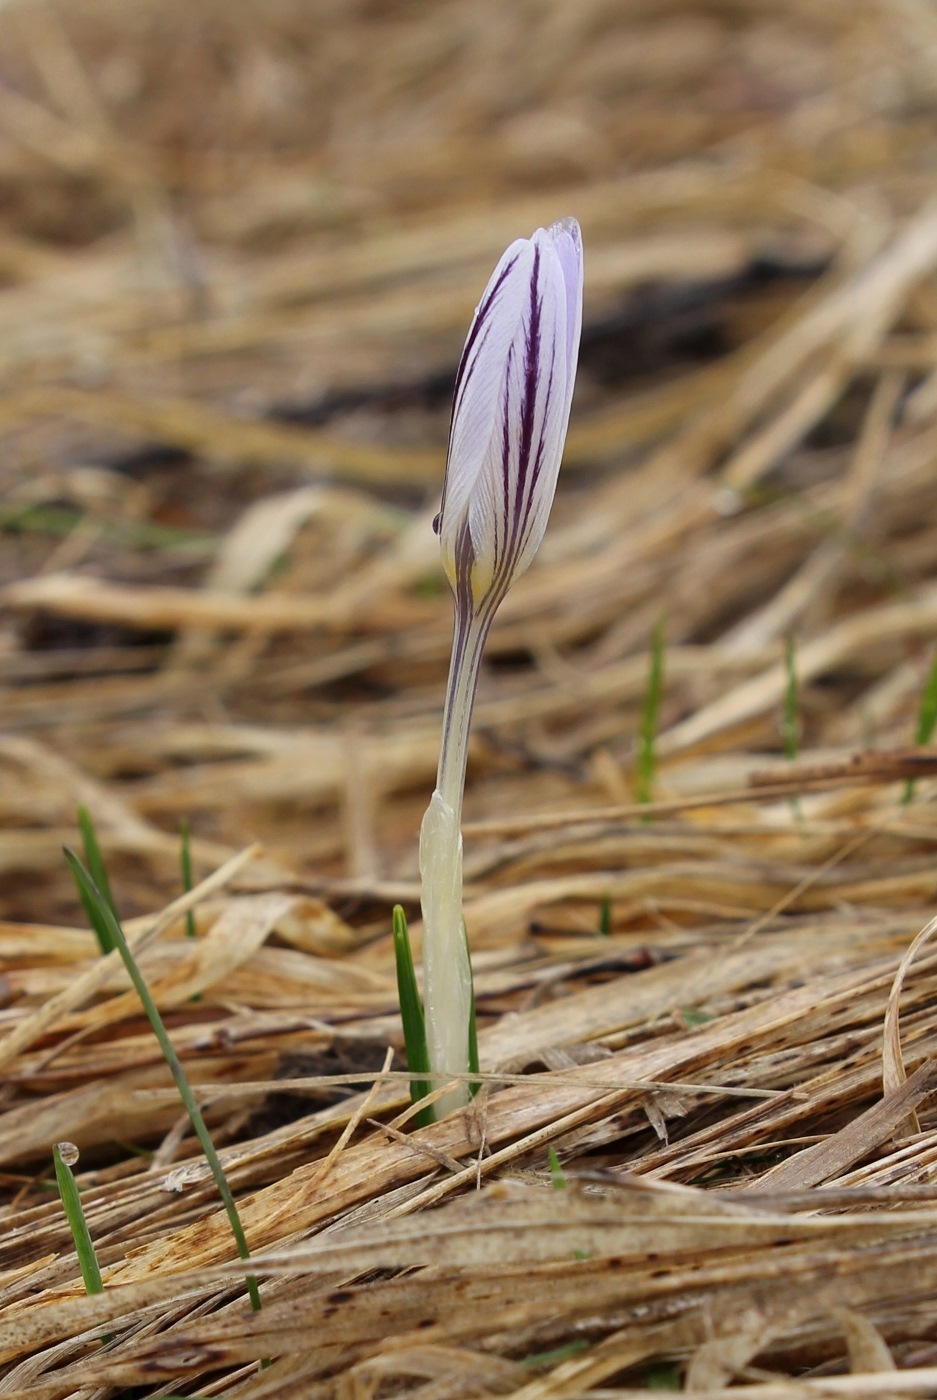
pixel 529 514
pixel 481 316
pixel 467 368
pixel 464 563
pixel 519 493
pixel 531 375
pixel 532 468
pixel 471 355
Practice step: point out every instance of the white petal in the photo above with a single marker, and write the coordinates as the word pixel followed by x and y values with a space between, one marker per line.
pixel 476 406
pixel 510 412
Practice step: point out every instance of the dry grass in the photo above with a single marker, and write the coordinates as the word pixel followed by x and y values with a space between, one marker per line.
pixel 239 247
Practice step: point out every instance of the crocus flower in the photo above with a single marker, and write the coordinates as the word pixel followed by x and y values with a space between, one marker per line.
pixel 510 412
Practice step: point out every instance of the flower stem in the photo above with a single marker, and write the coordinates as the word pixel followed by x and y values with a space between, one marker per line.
pixel 447 972
pixel 468 644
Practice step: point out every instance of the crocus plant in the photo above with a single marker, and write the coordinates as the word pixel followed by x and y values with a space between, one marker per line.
pixel 510 413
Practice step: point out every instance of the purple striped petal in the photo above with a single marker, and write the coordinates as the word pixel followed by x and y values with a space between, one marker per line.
pixel 510 413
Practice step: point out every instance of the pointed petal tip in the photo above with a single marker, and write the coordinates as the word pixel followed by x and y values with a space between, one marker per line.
pixel 563 232
pixel 568 225
pixel 565 238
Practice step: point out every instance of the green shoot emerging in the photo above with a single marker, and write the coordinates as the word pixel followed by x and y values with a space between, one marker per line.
pixel 95 863
pixel 185 861
pixel 138 534
pixel 187 881
pixel 605 916
pixel 63 1155
pixel 557 1174
pixel 692 1017
pixel 513 393
pixel 104 917
pixel 411 1014
pixel 664 1375
pixel 926 720
pixel 538 1360
pixel 474 1085
pixel 646 765
pixel 790 727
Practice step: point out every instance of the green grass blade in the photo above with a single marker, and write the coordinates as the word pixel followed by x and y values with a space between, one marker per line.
pixel 74 1214
pixel 790 727
pixel 90 894
pixel 411 1015
pixel 926 720
pixel 539 1360
pixel 557 1174
pixel 185 861
pixel 927 714
pixel 138 534
pixel 605 916
pixel 646 766
pixel 99 925
pixel 95 863
pixel 665 1375
pixel 474 1085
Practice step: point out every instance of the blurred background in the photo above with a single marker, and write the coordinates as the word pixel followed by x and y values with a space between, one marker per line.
pixel 240 246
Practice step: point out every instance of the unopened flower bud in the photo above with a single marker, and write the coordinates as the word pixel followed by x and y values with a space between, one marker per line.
pixel 510 412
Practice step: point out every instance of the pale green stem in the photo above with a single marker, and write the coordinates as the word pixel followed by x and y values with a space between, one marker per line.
pixel 447 974
pixel 464 667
